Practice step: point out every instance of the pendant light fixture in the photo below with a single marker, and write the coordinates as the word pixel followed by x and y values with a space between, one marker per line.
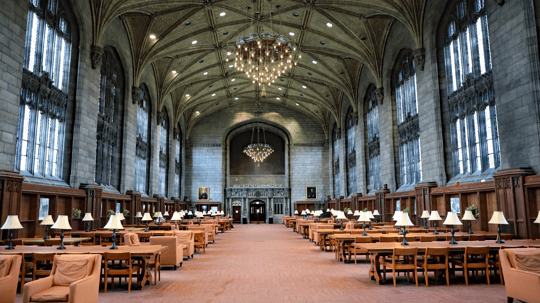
pixel 258 151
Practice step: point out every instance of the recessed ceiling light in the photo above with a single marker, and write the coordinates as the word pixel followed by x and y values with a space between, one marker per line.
pixel 277 98
pixel 322 42
pixel 222 14
pixel 152 36
pixel 194 42
pixel 297 104
pixel 213 95
pixel 225 33
pixel 201 61
pixel 228 53
pixel 205 73
pixel 291 34
pixel 173 72
pixel 233 80
pixel 303 86
pixel 301 95
pixel 295 14
pixel 187 23
pixel 187 95
pixel 329 24
pixel 197 112
pixel 231 65
pixel 235 98
pixel 234 88
pixel 279 88
pixel 314 62
pixel 281 79
pixel 310 74
pixel 210 86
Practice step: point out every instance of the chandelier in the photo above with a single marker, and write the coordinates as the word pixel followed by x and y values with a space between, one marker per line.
pixel 258 151
pixel 264 57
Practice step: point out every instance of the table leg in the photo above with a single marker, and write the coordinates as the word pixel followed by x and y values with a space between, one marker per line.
pixel 375 269
pixel 146 274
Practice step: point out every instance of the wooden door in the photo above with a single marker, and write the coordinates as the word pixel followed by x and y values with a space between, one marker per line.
pixel 237 214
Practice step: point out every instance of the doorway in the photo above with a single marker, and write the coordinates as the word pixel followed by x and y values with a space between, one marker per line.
pixel 237 215
pixel 257 212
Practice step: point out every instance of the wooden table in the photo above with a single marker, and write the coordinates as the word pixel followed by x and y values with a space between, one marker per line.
pixel 145 253
pixel 386 248
pixel 40 241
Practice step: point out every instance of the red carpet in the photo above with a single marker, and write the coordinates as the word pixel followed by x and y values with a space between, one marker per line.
pixel 271 263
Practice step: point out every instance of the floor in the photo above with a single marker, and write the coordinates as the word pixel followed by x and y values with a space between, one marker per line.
pixel 271 263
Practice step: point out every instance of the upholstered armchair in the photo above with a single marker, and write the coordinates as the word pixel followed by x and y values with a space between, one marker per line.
pixel 74 278
pixel 316 236
pixel 10 266
pixel 174 254
pixel 186 238
pixel 197 227
pixel 521 271
pixel 131 239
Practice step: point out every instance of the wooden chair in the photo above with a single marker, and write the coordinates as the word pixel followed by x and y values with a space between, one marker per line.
pixel 200 242
pixel 403 259
pixel 474 258
pixel 388 239
pixel 88 235
pixel 42 264
pixel 475 237
pixel 457 238
pixel 156 266
pixel 495 263
pixel 145 237
pixel 124 267
pixel 355 250
pixel 428 238
pixel 52 242
pixel 439 261
pixel 15 242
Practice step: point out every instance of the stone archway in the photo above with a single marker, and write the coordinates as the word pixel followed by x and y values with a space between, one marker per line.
pixel 257 212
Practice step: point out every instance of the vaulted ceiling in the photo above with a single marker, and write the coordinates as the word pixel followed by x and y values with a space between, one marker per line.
pixel 188 54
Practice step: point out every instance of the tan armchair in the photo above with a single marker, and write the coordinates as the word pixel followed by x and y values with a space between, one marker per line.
pixel 131 239
pixel 521 271
pixel 174 254
pixel 74 278
pixel 211 231
pixel 10 266
pixel 206 235
pixel 186 238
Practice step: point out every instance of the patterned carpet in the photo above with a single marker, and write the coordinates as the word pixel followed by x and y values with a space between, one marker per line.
pixel 271 263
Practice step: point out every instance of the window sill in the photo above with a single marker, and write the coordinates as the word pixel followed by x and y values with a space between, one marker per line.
pixel 52 181
pixel 474 177
pixel 407 187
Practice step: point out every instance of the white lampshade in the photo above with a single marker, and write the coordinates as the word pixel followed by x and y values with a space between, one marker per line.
pixel 296 212
pixel 158 215
pixel 357 213
pixel 176 217
pixel 397 215
pixel 138 215
pixel 200 215
pixel 328 210
pixel 341 216
pixel 190 213
pixel 303 213
pixel 498 218
pixel 88 217
pixel 146 217
pixel 120 215
pixel 48 220
pixel 308 211
pixel 349 212
pixel 404 220
pixel 204 213
pixel 61 223
pixel 12 222
pixel 221 213
pixel 537 221
pixel 317 214
pixel 370 214
pixel 434 216
pixel 376 213
pixel 452 219
pixel 114 223
pixel 363 217
pixel 468 216
pixel 425 214
pixel 166 214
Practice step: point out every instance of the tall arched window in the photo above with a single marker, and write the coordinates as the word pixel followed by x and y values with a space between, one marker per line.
pixel 178 161
pixel 44 93
pixel 109 131
pixel 409 154
pixel 142 161
pixel 471 98
pixel 373 153
pixel 163 122
pixel 335 154
pixel 351 153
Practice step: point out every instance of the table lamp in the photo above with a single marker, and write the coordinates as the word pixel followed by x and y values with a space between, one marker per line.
pixel 47 221
pixel 12 222
pixel 396 217
pixel 498 218
pixel 138 216
pixel 62 223
pixel 200 216
pixel 317 214
pixel 114 224
pixel 176 217
pixel 190 215
pixel 364 218
pixel 370 216
pixel 404 221
pixel 452 219
pixel 376 214
pixel 88 218
pixel 349 213
pixel 341 216
pixel 120 215
pixel 537 221
pixel 468 216
pixel 356 213
pixel 435 217
pixel 165 215
pixel 146 219
pixel 425 216
pixel 158 215
pixel 222 213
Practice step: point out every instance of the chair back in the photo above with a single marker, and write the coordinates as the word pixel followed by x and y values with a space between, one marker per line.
pixel 475 237
pixel 117 256
pixel 363 240
pixel 409 251
pixel 145 237
pixel 43 257
pixel 477 254
pixel 428 238
pixel 457 238
pixel 437 251
pixel 52 242
pixel 388 239
pixel 131 239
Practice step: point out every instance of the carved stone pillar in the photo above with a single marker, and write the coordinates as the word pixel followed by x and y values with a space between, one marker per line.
pixel 10 196
pixel 510 194
pixel 419 57
pixel 379 203
pixel 135 205
pixel 135 94
pixel 96 56
pixel 93 203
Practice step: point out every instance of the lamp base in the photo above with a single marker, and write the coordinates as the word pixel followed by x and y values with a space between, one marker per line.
pixel 61 246
pixel 370 225
pixel 146 230
pixel 499 238
pixel 46 233
pixel 113 246
pixel 404 237
pixel 453 241
pixel 470 229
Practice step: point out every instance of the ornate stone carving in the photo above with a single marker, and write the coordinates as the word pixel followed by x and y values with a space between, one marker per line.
pixel 419 57
pixel 13 186
pixel 336 167
pixel 136 95
pixel 338 133
pixel 141 148
pixel 374 148
pixel 379 93
pixel 354 117
pixel 96 56
pixel 474 95
pixel 502 183
pixel 39 92
pixel 409 130
pixel 499 2
pixel 162 159
pixel 351 159
pixel 160 117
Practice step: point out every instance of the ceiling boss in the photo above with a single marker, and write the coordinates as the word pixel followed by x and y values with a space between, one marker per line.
pixel 265 57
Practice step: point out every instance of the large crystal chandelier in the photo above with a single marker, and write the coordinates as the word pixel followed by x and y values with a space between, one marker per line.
pixel 258 151
pixel 264 57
